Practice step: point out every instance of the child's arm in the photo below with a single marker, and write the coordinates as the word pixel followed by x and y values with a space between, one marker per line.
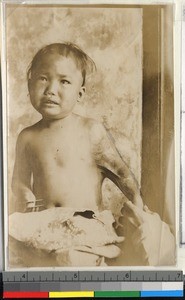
pixel 21 181
pixel 112 165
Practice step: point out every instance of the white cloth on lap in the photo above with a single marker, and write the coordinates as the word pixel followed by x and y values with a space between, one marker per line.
pixel 68 233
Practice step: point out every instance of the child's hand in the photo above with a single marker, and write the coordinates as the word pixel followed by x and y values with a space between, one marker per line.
pixel 33 206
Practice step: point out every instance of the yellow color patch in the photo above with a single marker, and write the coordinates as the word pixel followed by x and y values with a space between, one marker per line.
pixel 71 294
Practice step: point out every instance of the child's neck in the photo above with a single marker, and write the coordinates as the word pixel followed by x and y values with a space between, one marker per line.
pixel 58 123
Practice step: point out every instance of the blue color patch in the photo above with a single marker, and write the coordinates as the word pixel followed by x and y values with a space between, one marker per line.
pixel 172 293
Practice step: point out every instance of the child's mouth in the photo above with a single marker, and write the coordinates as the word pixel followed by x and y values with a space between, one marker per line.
pixel 49 101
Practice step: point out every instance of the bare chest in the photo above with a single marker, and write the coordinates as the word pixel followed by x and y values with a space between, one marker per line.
pixel 61 149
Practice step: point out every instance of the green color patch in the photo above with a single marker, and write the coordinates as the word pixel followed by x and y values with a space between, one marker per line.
pixel 102 294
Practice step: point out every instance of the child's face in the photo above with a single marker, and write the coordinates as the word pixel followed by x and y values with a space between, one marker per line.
pixel 55 86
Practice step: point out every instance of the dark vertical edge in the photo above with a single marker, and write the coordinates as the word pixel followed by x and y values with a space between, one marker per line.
pixel 167 127
pixel 158 109
pixel 150 179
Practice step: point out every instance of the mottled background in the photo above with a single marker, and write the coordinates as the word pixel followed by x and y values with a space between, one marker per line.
pixel 112 37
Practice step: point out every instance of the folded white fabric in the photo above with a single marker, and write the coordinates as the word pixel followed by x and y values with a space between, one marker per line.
pixel 64 228
pixel 75 258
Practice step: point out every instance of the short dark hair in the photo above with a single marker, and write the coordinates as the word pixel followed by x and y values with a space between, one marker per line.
pixel 82 60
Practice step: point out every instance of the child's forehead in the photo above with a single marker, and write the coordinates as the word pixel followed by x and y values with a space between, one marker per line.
pixel 48 60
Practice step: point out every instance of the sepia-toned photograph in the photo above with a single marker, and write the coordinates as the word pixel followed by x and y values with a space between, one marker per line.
pixel 182 213
pixel 89 136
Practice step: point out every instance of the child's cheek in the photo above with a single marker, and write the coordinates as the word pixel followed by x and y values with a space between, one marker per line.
pixel 39 87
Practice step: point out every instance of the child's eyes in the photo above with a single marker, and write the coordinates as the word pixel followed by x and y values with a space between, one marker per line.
pixel 65 82
pixel 42 78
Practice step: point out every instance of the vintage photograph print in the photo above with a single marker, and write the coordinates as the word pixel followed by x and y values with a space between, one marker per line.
pixel 182 215
pixel 89 136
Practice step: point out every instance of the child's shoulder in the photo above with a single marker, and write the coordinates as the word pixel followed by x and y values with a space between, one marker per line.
pixel 28 132
pixel 89 122
pixel 96 129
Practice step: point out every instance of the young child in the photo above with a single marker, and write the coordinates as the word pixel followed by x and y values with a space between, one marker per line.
pixel 62 160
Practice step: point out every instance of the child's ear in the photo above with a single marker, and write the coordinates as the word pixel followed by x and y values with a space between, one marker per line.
pixel 82 91
pixel 29 84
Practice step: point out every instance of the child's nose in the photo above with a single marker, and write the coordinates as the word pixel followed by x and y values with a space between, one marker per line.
pixel 52 87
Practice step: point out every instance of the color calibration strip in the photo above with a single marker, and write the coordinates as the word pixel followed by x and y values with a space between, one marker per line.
pixel 91 294
pixel 108 290
pixel 91 284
